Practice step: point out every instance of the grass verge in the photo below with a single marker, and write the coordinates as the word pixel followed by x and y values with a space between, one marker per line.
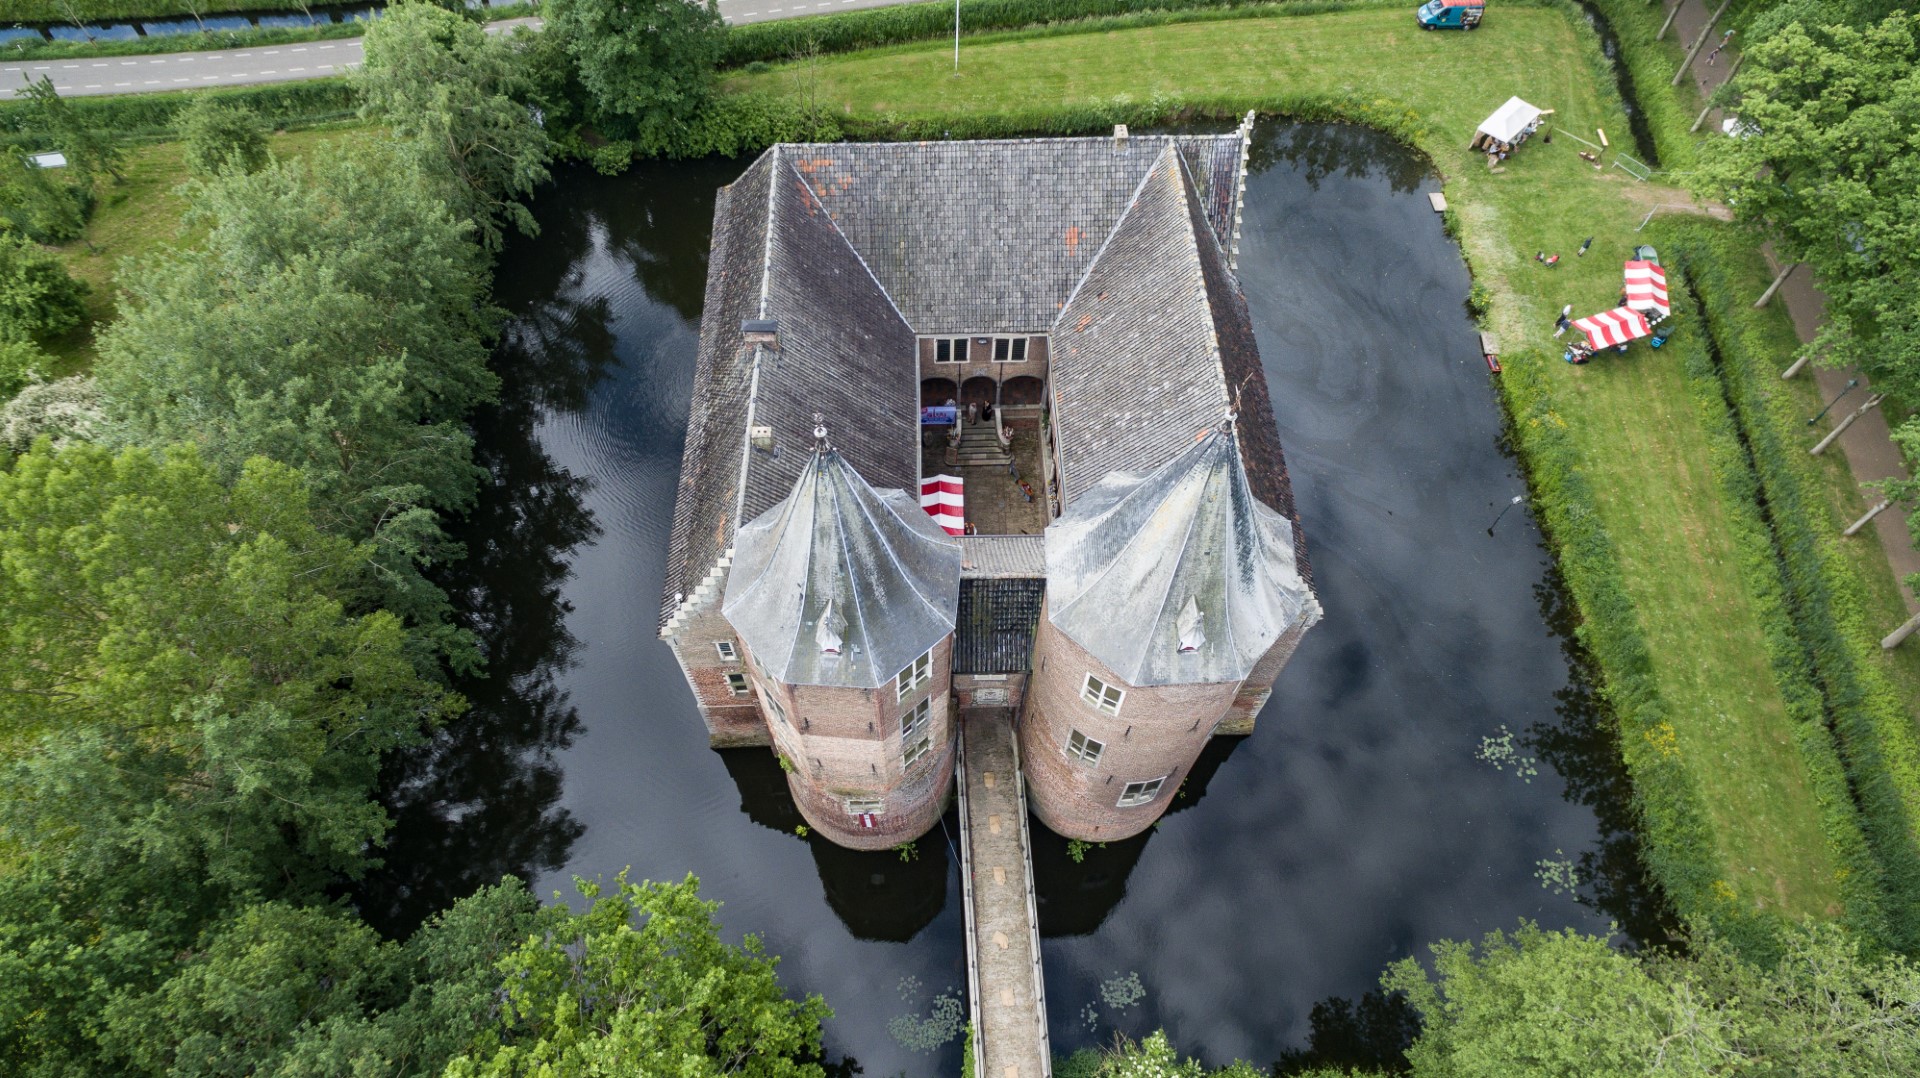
pixel 1741 819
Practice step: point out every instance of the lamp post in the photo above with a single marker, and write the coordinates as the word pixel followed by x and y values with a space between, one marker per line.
pixel 1517 499
pixel 1836 400
pixel 956 38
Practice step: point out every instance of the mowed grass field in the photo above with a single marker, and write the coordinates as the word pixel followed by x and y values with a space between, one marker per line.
pixel 1642 440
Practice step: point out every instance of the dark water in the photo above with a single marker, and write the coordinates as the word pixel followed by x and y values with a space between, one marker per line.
pixel 1353 828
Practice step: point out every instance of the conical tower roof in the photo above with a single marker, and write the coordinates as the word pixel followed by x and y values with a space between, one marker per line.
pixel 842 584
pixel 1180 577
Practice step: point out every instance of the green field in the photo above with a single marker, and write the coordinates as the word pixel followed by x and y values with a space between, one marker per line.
pixel 1639 434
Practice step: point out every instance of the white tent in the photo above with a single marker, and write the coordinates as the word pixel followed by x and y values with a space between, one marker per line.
pixel 1510 122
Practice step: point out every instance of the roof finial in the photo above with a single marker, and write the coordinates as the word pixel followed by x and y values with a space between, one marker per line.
pixel 820 432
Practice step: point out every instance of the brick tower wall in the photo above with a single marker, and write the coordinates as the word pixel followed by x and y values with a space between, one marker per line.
pixel 845 743
pixel 732 721
pixel 1258 687
pixel 1158 732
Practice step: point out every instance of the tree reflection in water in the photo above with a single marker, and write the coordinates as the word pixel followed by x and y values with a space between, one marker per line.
pixel 479 800
pixel 1316 151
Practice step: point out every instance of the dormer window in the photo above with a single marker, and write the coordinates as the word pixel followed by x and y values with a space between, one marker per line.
pixel 1187 627
pixel 827 635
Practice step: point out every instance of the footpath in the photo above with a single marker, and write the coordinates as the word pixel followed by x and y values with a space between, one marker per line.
pixel 1868 445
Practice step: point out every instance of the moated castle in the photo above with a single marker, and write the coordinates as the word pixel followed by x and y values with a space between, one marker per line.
pixel 1134 578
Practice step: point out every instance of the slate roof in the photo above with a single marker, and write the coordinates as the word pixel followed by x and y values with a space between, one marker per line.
pixel 1132 562
pixel 1123 252
pixel 838 563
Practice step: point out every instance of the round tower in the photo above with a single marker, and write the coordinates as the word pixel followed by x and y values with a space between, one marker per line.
pixel 1168 596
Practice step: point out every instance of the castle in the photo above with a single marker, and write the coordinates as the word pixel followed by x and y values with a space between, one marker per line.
pixel 1058 321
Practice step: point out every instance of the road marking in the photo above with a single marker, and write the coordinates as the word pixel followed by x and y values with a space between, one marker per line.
pixel 326 67
pixel 296 69
pixel 324 48
pixel 129 63
pixel 208 78
pixel 183 80
pixel 156 61
pixel 68 67
pixel 99 65
pixel 123 84
pixel 43 69
pixel 91 86
pixel 271 71
pixel 271 52
pixel 299 50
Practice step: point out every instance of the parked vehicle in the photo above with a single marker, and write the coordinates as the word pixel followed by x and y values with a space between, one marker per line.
pixel 1450 14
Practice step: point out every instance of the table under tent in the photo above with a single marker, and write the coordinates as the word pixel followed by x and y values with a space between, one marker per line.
pixel 1508 127
pixel 1646 308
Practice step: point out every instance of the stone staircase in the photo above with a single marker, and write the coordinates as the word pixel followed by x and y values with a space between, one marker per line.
pixel 980 448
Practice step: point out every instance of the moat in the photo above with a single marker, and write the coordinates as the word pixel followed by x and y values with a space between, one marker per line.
pixel 1367 816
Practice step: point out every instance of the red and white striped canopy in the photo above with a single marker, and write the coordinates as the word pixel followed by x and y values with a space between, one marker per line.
pixel 944 497
pixel 1647 287
pixel 1618 326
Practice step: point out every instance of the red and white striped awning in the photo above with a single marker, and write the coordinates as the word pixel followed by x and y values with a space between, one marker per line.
pixel 944 497
pixel 1618 326
pixel 1647 287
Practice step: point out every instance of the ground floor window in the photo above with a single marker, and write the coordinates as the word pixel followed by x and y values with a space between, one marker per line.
pixel 1083 748
pixel 738 683
pixel 1139 793
pixel 864 806
pixel 918 749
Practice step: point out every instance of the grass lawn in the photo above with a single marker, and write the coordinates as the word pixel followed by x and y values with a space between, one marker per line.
pixel 137 217
pixel 1638 432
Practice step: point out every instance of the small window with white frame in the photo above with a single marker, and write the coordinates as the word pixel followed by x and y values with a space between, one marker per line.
pixel 773 705
pixel 865 806
pixel 1009 349
pixel 1139 793
pixel 917 749
pixel 1102 695
pixel 727 650
pixel 915 720
pixel 738 683
pixel 1083 748
pixel 917 673
pixel 950 350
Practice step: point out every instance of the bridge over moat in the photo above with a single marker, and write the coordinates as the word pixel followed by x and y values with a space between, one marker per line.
pixel 1006 987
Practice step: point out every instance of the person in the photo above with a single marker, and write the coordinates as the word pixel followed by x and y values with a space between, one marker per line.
pixel 1586 243
pixel 1578 353
pixel 1562 325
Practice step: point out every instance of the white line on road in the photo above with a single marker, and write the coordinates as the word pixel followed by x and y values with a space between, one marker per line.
pixel 296 69
pixel 91 86
pixel 326 67
pixel 271 71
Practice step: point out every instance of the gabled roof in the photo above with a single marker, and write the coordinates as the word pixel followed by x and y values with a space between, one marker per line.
pixel 842 567
pixel 1140 565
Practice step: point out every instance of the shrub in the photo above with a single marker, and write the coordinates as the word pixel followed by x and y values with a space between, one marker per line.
pixel 66 411
pixel 220 137
pixel 38 298
pixel 21 364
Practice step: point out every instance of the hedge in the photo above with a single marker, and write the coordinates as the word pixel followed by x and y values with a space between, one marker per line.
pixel 1870 718
pixel 136 116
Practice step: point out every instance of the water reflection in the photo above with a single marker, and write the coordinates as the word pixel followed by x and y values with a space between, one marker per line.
pixel 1317 151
pixel 1371 1036
pixel 877 895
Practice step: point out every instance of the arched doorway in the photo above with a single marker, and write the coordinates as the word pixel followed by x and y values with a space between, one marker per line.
pixel 937 391
pixel 1022 391
pixel 976 390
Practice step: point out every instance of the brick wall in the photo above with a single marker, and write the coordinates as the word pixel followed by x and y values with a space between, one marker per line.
pixel 1157 732
pixel 1000 690
pixel 842 743
pixel 980 362
pixel 732 721
pixel 1258 687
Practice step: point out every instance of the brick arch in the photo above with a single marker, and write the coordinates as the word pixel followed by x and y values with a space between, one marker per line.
pixel 1026 389
pixel 938 391
pixel 978 390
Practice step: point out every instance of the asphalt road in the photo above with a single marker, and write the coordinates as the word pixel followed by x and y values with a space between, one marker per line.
pixel 288 63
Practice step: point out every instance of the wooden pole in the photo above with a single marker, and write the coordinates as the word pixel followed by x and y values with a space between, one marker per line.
pixel 1671 12
pixel 1795 369
pixel 1731 72
pixel 1841 427
pixel 1778 280
pixel 1893 638
pixel 1854 528
pixel 1705 32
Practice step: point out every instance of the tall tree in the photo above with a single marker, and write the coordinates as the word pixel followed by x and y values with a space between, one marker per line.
pixel 219 137
pixel 35 204
pixel 334 319
pixel 459 96
pixel 38 297
pixel 647 64
pixel 90 149
pixel 641 983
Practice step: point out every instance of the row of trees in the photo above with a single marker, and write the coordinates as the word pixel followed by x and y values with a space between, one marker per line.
pixel 220 616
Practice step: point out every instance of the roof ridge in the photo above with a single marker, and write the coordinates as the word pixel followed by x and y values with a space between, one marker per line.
pixel 833 223
pixel 1133 201
pixel 1188 205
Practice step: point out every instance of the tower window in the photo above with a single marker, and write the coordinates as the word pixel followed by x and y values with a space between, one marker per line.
pixel 727 650
pixel 918 749
pixel 915 720
pixel 1139 793
pixel 1084 748
pixel 738 683
pixel 1102 695
pixel 773 705
pixel 917 673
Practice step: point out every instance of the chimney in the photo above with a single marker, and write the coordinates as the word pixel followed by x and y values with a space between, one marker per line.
pixel 1119 136
pixel 760 331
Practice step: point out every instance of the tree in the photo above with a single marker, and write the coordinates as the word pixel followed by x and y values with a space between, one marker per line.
pixel 648 65
pixel 35 204
pixel 89 150
pixel 220 137
pixel 333 319
pixel 38 297
pixel 459 96
pixel 21 364
pixel 63 411
pixel 188 704
pixel 641 983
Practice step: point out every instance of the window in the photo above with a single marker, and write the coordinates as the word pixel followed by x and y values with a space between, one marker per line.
pixel 1102 695
pixel 950 350
pixel 1084 748
pixel 915 720
pixel 917 673
pixel 865 806
pixel 918 749
pixel 727 650
pixel 773 705
pixel 1009 349
pixel 1139 793
pixel 738 683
